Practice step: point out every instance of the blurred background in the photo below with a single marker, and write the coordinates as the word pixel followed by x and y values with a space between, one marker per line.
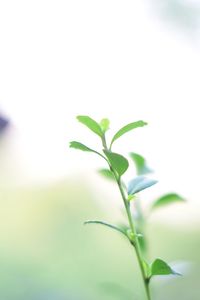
pixel 123 60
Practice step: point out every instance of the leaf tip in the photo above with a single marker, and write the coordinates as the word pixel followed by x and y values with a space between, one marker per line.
pixel 144 123
pixel 86 222
pixel 79 117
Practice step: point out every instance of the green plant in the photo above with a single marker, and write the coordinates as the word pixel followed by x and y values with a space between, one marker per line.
pixel 117 166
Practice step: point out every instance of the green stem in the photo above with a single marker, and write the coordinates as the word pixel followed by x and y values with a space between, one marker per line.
pixel 148 290
pixel 103 138
pixel 131 224
pixel 136 244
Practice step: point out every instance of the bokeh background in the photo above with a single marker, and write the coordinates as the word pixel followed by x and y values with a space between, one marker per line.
pixel 123 60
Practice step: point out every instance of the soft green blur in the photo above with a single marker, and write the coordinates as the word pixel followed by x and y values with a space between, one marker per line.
pixel 47 253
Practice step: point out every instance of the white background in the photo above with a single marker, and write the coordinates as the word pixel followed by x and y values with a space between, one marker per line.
pixel 115 59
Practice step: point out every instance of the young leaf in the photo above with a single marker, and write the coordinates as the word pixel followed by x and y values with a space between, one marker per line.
pixel 80 146
pixel 106 224
pixel 104 125
pixel 147 269
pixel 107 173
pixel 117 161
pixel 127 128
pixel 131 197
pixel 160 267
pixel 91 124
pixel 139 184
pixel 140 164
pixel 167 199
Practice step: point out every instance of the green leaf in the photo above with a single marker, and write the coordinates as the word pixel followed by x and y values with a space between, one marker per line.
pixel 106 224
pixel 147 269
pixel 143 244
pixel 105 123
pixel 107 173
pixel 91 124
pixel 160 267
pixel 140 164
pixel 167 199
pixel 131 197
pixel 127 128
pixel 140 183
pixel 80 146
pixel 117 161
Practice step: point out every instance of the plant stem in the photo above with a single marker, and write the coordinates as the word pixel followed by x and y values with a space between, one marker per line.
pixel 136 242
pixel 148 290
pixel 131 224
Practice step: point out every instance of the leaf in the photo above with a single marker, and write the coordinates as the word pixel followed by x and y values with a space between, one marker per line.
pixel 91 124
pixel 106 224
pixel 104 125
pixel 140 164
pixel 127 128
pixel 107 173
pixel 80 146
pixel 143 244
pixel 167 199
pixel 139 184
pixel 147 269
pixel 131 197
pixel 117 161
pixel 160 267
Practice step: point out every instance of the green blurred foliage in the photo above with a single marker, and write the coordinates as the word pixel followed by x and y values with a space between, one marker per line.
pixel 46 253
